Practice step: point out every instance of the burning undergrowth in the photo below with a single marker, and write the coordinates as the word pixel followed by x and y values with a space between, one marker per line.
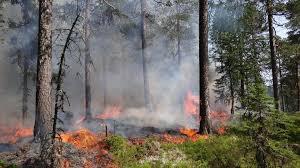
pixel 12 134
pixel 85 143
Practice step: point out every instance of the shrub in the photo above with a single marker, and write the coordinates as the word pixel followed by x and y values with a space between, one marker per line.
pixel 116 143
pixel 4 165
pixel 219 152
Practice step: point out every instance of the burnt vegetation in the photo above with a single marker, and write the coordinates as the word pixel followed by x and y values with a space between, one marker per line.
pixel 149 83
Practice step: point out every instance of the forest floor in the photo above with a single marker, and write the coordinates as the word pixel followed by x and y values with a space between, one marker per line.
pixel 85 149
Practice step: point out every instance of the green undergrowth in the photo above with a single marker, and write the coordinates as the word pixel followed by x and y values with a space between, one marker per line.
pixel 235 149
pixel 4 165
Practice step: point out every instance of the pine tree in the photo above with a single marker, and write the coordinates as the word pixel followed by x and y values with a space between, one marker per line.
pixel 87 62
pixel 203 66
pixel 42 126
pixel 269 6
pixel 144 56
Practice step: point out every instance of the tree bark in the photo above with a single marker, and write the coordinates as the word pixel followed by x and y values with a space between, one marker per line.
pixel 59 93
pixel 25 90
pixel 26 6
pixel 178 37
pixel 273 56
pixel 203 66
pixel 144 57
pixel 242 90
pixel 178 43
pixel 104 82
pixel 242 81
pixel 43 117
pixel 88 62
pixel 281 87
pixel 231 95
pixel 298 85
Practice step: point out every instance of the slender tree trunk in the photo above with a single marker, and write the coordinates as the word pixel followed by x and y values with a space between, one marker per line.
pixel 25 90
pixel 203 66
pixel 144 57
pixel 256 73
pixel 104 82
pixel 59 93
pixel 281 88
pixel 87 62
pixel 298 85
pixel 242 81
pixel 231 94
pixel 273 56
pixel 178 43
pixel 123 75
pixel 242 90
pixel 42 126
pixel 26 6
pixel 178 37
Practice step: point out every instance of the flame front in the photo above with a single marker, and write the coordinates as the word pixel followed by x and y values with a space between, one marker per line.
pixel 188 132
pixel 110 112
pixel 82 139
pixel 191 104
pixel 11 135
pixel 218 119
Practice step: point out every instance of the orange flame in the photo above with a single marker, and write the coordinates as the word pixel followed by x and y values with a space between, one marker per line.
pixel 221 130
pixel 110 112
pixel 174 139
pixel 82 139
pixel 87 164
pixel 11 135
pixel 191 109
pixel 179 139
pixel 80 120
pixel 65 163
pixel 188 132
pixel 191 103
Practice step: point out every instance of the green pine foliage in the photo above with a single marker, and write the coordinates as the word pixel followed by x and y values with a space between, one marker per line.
pixel 288 55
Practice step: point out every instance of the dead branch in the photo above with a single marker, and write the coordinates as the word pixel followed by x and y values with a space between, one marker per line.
pixel 60 94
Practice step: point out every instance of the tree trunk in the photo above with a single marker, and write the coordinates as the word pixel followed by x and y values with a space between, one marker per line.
pixel 298 85
pixel 25 90
pixel 281 88
pixel 242 81
pixel 144 57
pixel 59 93
pixel 273 56
pixel 255 58
pixel 203 66
pixel 178 37
pixel 26 6
pixel 43 118
pixel 104 82
pixel 242 90
pixel 87 62
pixel 178 43
pixel 231 95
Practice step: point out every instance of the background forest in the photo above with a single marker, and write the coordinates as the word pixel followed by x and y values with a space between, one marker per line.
pixel 149 83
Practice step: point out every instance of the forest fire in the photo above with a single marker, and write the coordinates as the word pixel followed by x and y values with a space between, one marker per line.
pixel 110 112
pixel 217 118
pixel 93 145
pixel 80 120
pixel 11 135
pixel 191 103
pixel 82 138
pixel 180 139
pixel 188 132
